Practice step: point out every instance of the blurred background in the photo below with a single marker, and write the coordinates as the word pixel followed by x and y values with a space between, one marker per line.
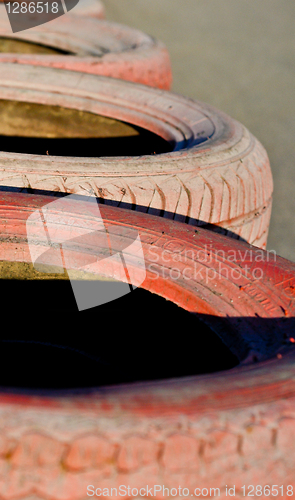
pixel 238 55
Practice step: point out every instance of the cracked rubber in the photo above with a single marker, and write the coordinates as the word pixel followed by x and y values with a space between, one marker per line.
pixel 94 46
pixel 234 427
pixel 218 173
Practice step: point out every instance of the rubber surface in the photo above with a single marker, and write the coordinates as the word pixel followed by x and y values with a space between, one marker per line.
pixel 94 46
pixel 232 428
pixel 217 173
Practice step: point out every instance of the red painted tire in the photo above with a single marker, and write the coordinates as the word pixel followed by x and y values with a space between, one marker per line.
pixel 229 429
pixel 217 172
pixel 94 46
pixel 87 8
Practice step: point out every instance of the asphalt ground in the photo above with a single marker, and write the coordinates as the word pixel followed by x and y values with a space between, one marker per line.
pixel 238 55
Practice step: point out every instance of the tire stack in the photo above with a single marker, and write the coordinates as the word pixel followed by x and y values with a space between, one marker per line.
pixel 86 113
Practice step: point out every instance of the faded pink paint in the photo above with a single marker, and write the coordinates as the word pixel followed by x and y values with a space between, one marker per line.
pixel 95 46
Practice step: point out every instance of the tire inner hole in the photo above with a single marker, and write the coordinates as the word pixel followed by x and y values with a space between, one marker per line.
pixel 14 46
pixel 38 129
pixel 137 337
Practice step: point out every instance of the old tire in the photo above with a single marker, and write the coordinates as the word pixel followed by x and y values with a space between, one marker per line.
pixel 224 430
pixel 201 271
pixel 94 46
pixel 217 172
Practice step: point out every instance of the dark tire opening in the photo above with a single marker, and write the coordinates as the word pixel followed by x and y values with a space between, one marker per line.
pixel 145 143
pixel 31 128
pixel 14 46
pixel 140 336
